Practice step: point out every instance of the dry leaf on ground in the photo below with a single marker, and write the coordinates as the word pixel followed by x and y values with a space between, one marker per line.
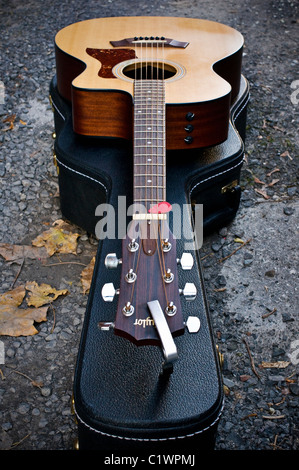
pixel 275 365
pixel 17 252
pixel 15 321
pixel 86 276
pixel 43 294
pixel 58 239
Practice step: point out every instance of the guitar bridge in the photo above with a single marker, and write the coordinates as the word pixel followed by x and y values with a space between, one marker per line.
pixel 149 41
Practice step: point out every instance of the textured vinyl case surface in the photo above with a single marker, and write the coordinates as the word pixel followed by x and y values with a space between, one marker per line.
pixel 123 403
pixel 86 167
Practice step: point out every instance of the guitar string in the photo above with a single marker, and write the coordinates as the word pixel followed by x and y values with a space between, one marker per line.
pixel 138 67
pixel 154 86
pixel 135 263
pixel 160 102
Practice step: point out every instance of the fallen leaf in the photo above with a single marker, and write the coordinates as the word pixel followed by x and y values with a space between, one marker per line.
pixel 10 119
pixel 273 171
pixel 16 252
pixel 43 294
pixel 273 417
pixel 15 321
pixel 262 193
pixel 257 180
pixel 245 377
pixel 273 182
pixel 286 154
pixel 238 240
pixel 278 364
pixel 58 239
pixel 13 297
pixel 86 276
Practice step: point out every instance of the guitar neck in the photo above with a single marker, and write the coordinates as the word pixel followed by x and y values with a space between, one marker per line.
pixel 149 144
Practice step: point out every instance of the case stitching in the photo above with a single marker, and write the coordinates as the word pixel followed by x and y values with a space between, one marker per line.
pixel 81 174
pixel 243 107
pixel 218 174
pixel 57 109
pixel 139 439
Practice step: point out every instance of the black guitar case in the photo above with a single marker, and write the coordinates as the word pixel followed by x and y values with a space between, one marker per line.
pixel 126 398
pixel 210 176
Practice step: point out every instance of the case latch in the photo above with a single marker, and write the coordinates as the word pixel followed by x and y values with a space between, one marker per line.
pixel 229 187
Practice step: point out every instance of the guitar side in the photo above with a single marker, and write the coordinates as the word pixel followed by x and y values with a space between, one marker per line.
pixel 208 76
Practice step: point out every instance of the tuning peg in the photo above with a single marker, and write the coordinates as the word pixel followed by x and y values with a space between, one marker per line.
pixel 192 324
pixel 111 261
pixel 189 291
pixel 105 325
pixel 186 261
pixel 108 292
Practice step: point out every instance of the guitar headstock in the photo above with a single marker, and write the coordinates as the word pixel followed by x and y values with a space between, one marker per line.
pixel 149 309
pixel 149 273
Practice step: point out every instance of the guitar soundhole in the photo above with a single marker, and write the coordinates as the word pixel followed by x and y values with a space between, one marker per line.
pixel 149 71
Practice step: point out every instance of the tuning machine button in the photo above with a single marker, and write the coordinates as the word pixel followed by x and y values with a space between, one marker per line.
pixel 105 325
pixel 189 291
pixel 186 261
pixel 108 292
pixel 111 261
pixel 192 324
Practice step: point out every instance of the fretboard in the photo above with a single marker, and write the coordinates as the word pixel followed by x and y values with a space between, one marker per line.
pixel 149 143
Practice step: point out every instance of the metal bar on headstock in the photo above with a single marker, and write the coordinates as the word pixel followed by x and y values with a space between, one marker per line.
pixel 168 345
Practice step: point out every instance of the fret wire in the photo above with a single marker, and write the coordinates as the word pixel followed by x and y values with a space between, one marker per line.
pixel 149 126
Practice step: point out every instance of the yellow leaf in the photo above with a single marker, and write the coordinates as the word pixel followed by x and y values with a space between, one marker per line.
pixel 16 321
pixel 43 294
pixel 13 297
pixel 277 365
pixel 58 239
pixel 86 276
pixel 238 240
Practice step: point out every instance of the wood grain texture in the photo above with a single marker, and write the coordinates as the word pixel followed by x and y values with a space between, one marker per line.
pixel 149 284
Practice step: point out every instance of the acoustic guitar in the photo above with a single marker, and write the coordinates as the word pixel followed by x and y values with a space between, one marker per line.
pixel 164 83
pixel 196 62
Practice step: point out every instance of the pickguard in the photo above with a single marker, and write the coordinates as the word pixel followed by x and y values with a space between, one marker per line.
pixel 109 58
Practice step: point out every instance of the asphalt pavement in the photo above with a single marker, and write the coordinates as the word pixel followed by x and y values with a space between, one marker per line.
pixel 250 266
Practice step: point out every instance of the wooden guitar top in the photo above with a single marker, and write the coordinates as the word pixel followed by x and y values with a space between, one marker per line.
pixel 205 74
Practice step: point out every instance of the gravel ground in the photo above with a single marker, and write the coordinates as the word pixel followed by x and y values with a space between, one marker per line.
pixel 253 292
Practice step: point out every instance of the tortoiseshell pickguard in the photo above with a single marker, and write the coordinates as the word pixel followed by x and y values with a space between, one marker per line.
pixel 109 58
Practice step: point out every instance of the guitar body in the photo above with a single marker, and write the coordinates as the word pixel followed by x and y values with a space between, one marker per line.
pixel 202 64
